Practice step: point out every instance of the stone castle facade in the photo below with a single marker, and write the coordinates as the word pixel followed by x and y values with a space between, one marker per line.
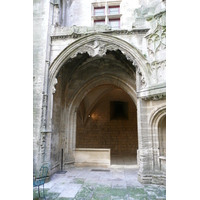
pixel 99 81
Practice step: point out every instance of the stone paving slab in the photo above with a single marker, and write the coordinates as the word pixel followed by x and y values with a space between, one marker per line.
pixel 70 191
pixel 57 188
pixel 119 184
pixel 107 183
pixel 54 179
pixel 83 184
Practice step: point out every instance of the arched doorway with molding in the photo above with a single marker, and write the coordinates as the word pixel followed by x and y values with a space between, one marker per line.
pixel 89 75
pixel 158 134
pixel 162 136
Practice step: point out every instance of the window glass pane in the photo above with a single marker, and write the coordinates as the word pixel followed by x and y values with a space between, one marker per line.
pixel 99 11
pixel 115 23
pixel 114 10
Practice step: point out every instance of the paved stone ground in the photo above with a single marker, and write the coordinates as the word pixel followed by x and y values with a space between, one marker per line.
pixel 113 183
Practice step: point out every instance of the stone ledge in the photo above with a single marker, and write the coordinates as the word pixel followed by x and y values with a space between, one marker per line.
pixel 155 92
pixel 63 34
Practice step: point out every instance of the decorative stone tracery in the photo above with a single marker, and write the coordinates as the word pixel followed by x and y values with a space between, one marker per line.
pixel 42 144
pixel 44 110
pixel 156 46
pixel 155 97
pixel 158 71
pixel 98 45
pixel 156 40
pixel 141 82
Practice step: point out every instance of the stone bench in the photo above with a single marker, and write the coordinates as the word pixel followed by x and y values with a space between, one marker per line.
pixel 92 157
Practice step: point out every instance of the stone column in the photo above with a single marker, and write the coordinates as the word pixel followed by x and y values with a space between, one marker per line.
pixel 70 119
pixel 144 143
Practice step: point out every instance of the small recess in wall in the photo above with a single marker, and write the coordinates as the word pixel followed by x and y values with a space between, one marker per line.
pixel 118 110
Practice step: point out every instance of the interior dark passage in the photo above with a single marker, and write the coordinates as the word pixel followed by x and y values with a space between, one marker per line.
pixel 107 118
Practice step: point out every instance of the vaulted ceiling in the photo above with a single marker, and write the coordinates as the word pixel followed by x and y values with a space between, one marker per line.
pixel 76 72
pixel 99 95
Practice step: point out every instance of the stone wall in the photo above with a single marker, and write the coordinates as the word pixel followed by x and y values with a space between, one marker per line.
pixel 40 35
pixel 149 141
pixel 78 12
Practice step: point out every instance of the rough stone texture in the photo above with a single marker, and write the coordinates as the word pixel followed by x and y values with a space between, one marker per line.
pixel 40 31
pixel 75 69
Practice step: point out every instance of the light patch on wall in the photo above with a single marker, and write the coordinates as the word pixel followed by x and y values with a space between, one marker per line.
pixel 94 116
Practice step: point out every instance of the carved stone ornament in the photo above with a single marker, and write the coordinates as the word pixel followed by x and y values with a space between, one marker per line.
pixel 153 73
pixel 142 81
pixel 98 45
pixel 156 41
pixel 100 48
pixel 161 71
pixel 55 81
pixel 158 71
pixel 155 97
pixel 42 143
pixel 95 48
pixel 44 109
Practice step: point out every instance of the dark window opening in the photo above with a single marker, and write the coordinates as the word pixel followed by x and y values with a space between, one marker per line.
pixel 118 110
pixel 99 22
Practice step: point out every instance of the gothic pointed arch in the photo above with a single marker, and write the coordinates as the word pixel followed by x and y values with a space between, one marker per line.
pixel 97 44
pixel 157 122
pixel 73 104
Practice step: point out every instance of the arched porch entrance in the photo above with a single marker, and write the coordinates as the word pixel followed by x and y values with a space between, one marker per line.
pixel 93 67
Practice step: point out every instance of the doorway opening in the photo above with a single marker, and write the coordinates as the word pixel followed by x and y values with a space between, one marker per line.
pixel 107 119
